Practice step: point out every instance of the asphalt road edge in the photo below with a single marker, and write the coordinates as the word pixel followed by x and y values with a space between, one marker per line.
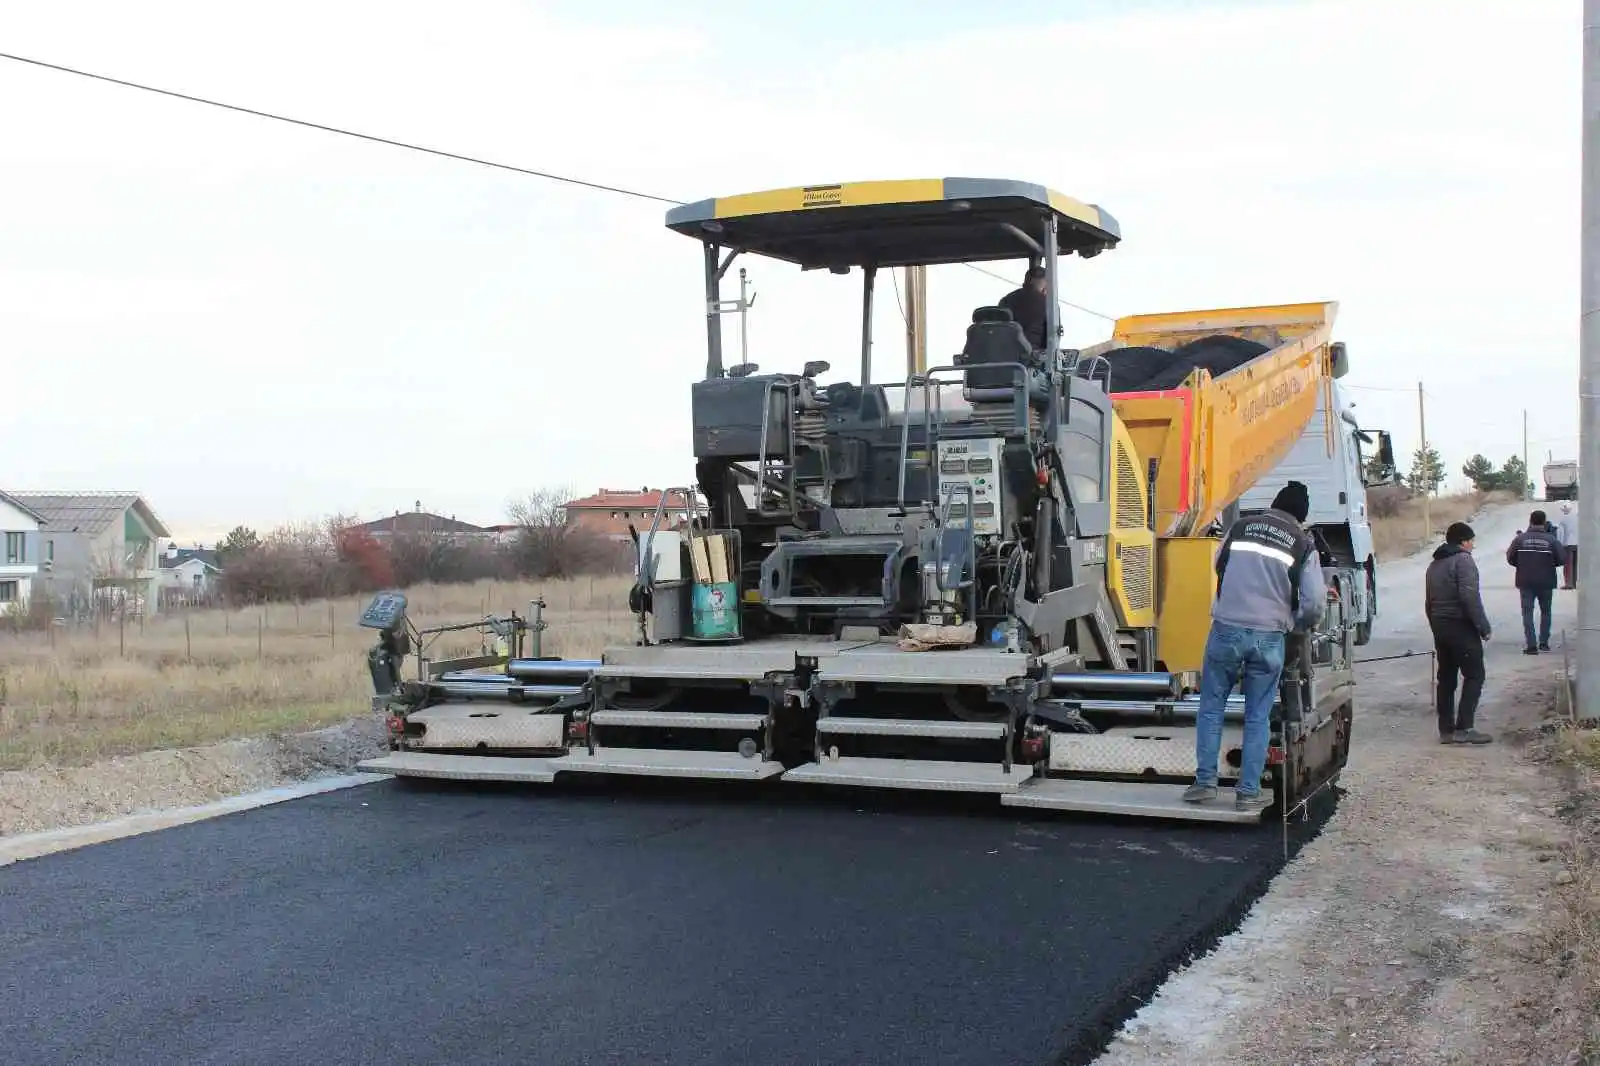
pixel 35 845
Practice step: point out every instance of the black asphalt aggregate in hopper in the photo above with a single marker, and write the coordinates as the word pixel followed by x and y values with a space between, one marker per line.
pixel 613 922
pixel 1147 369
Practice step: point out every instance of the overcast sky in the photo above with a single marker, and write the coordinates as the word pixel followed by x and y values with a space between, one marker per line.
pixel 252 322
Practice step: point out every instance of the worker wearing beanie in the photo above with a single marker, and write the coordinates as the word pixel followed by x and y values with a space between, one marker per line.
pixel 1269 581
pixel 1455 613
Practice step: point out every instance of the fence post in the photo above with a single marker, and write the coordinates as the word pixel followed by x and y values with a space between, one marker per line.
pixel 122 631
pixel 188 642
pixel 261 635
pixel 333 642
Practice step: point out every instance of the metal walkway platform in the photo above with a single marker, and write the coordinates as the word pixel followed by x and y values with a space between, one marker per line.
pixel 640 762
pixel 1133 798
pixel 922 774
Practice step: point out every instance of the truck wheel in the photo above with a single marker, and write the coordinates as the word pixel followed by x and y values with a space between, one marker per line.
pixel 1364 628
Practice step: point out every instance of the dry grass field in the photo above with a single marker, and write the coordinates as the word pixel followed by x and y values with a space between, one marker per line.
pixel 1401 531
pixel 182 679
pixel 176 680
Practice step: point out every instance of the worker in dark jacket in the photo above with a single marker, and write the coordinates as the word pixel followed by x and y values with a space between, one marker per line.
pixel 1538 556
pixel 1453 605
pixel 1029 307
pixel 1269 581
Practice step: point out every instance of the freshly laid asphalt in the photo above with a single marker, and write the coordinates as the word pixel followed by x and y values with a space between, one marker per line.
pixel 610 923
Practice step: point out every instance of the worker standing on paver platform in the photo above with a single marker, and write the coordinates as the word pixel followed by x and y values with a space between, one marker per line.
pixel 1538 557
pixel 1567 525
pixel 1453 604
pixel 1269 581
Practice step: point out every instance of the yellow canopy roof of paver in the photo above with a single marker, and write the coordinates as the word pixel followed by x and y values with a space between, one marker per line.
pixel 921 221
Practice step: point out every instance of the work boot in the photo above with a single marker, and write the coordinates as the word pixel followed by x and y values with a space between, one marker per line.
pixel 1199 793
pixel 1472 736
pixel 1255 804
pixel 1544 645
pixel 1447 738
pixel 1530 651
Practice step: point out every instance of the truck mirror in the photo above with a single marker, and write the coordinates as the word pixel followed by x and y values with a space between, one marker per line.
pixel 815 367
pixel 1338 359
pixel 742 370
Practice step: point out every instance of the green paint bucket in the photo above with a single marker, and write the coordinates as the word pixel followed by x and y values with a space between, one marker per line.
pixel 714 611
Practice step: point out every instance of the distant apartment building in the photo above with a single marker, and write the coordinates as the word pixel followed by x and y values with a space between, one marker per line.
pixel 610 512
pixel 419 523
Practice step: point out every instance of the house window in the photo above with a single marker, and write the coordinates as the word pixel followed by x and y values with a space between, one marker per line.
pixel 50 550
pixel 8 592
pixel 197 578
pixel 14 548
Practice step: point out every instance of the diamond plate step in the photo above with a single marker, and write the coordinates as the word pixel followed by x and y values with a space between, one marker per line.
pixel 925 774
pixel 907 727
pixel 1133 798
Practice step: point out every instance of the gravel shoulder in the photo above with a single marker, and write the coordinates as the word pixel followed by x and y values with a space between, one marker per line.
pixel 1437 919
pixel 32 801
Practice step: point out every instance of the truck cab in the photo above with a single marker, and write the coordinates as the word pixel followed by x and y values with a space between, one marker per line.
pixel 1337 464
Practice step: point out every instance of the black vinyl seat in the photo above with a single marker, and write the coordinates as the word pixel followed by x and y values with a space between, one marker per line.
pixel 995 337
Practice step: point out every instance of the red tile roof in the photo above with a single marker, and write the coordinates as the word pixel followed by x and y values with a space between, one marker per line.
pixel 642 499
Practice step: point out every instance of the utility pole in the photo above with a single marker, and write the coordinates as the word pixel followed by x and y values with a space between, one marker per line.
pixel 1588 650
pixel 1523 491
pixel 1427 487
pixel 916 278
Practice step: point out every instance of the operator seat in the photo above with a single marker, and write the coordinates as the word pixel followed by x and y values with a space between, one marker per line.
pixel 995 337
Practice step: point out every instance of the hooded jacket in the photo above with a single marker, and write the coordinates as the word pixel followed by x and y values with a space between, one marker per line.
pixel 1269 576
pixel 1029 309
pixel 1538 557
pixel 1452 591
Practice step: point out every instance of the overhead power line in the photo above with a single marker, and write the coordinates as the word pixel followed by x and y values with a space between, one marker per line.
pixel 413 147
pixel 547 175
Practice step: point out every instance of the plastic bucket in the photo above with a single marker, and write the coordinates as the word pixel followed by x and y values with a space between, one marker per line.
pixel 714 611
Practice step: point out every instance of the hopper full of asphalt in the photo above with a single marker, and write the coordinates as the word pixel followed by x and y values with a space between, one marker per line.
pixel 1146 369
pixel 611 923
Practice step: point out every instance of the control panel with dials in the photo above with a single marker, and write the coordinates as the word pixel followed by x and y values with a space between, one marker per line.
pixel 975 463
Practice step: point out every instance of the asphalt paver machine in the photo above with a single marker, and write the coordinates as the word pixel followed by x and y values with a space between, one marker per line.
pixel 994 576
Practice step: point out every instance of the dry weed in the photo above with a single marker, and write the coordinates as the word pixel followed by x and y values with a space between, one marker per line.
pixel 176 680
pixel 1572 941
pixel 1404 532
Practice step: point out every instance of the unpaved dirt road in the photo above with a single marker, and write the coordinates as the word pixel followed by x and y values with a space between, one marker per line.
pixel 1409 932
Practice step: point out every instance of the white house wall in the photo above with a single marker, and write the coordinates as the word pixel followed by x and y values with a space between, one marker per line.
pixel 23 572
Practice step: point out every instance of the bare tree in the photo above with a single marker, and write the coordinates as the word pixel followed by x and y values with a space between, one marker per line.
pixel 550 544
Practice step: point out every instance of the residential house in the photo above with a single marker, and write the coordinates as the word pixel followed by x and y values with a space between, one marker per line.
pixel 188 575
pixel 19 552
pixel 97 547
pixel 505 533
pixel 610 512
pixel 419 523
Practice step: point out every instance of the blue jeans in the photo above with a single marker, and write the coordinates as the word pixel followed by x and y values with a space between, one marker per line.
pixel 1253 660
pixel 1530 597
